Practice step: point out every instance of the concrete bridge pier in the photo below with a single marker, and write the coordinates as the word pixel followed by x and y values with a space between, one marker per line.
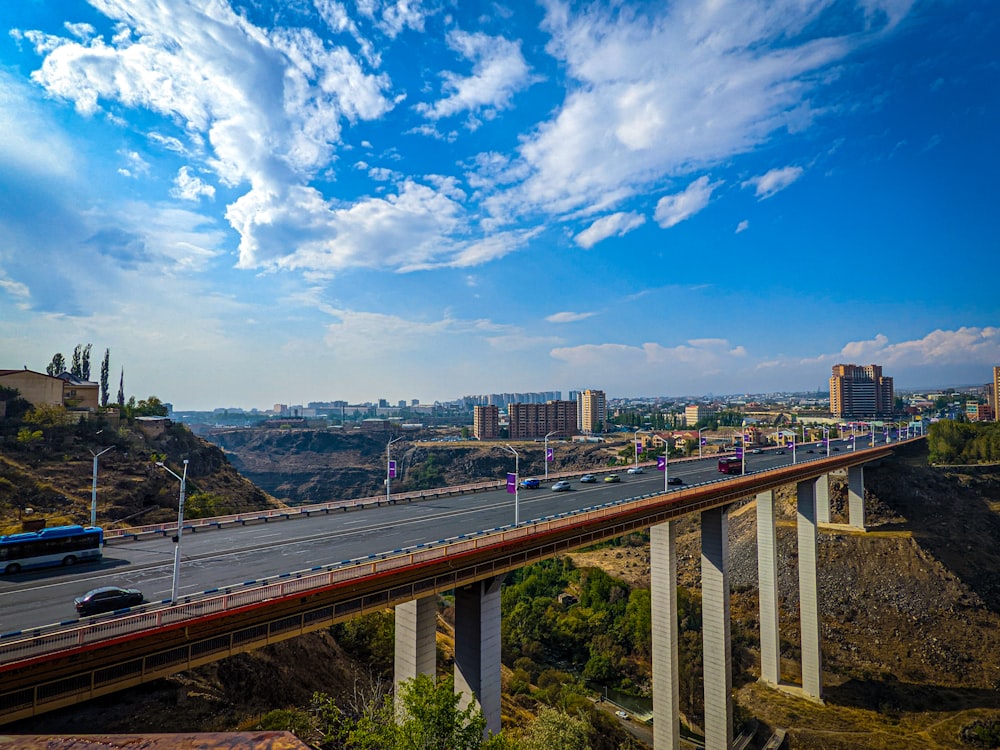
pixel 856 496
pixel 808 598
pixel 823 498
pixel 416 643
pixel 767 578
pixel 477 648
pixel 715 620
pixel 663 594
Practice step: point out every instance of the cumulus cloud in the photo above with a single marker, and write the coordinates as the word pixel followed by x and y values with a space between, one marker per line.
pixel 673 209
pixel 774 181
pixel 742 226
pixel 499 71
pixel 190 187
pixel 617 225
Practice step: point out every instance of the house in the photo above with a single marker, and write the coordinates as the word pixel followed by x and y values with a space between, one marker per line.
pixel 39 388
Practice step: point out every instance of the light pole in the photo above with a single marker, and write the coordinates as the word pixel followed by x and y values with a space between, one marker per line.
pixel 826 440
pixel 636 446
pixel 699 440
pixel 180 527
pixel 517 481
pixel 547 456
pixel 390 469
pixel 93 486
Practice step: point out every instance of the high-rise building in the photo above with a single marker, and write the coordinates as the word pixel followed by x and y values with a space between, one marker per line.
pixel 859 391
pixel 538 420
pixel 486 422
pixel 996 393
pixel 694 413
pixel 591 411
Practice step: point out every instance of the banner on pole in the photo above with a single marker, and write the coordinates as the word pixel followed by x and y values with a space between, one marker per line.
pixel 511 483
pixel 392 470
pixel 661 463
pixel 549 453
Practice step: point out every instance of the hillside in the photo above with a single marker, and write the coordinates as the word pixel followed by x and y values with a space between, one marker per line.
pixel 53 478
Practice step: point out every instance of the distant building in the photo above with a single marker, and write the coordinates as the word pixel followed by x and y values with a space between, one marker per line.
pixel 976 412
pixel 591 411
pixel 694 413
pixel 538 420
pixel 485 422
pixel 996 392
pixel 858 391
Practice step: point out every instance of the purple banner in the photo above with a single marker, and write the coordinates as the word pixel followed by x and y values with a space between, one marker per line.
pixel 704 441
pixel 661 463
pixel 638 446
pixel 739 453
pixel 790 444
pixel 548 453
pixel 511 483
pixel 392 470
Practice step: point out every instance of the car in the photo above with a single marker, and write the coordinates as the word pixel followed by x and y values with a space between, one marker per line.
pixel 622 715
pixel 561 486
pixel 588 479
pixel 107 599
pixel 635 470
pixel 675 480
pixel 755 450
pixel 810 451
pixel 781 453
pixel 531 484
pixel 836 448
pixel 612 478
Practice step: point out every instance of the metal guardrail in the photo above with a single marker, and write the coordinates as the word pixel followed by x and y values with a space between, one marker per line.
pixel 19 647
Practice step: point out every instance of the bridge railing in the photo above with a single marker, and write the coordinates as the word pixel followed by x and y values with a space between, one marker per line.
pixel 24 645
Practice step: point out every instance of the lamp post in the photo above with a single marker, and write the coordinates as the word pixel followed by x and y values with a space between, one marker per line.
pixel 635 445
pixel 180 527
pixel 826 440
pixel 699 440
pixel 517 481
pixel 93 486
pixel 547 457
pixel 390 469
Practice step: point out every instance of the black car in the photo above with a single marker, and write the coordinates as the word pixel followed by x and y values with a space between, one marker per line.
pixel 675 480
pixel 107 599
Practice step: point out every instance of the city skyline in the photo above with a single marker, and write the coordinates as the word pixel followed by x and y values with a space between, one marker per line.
pixel 268 203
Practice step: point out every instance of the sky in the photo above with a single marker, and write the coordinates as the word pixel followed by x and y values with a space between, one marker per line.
pixel 251 202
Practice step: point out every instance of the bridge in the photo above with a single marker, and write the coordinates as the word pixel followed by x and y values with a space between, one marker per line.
pixel 55 667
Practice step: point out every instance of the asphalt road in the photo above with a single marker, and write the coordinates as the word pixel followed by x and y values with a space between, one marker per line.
pixel 221 557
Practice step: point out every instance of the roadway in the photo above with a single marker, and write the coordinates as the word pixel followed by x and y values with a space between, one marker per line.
pixel 230 556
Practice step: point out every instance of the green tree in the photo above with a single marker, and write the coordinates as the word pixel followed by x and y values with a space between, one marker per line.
pixel 16 407
pixel 85 363
pixel 121 389
pixel 149 407
pixel 76 370
pixel 57 365
pixel 46 415
pixel 555 730
pixel 105 373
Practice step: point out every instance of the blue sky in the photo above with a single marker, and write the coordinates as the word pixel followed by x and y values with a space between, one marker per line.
pixel 253 202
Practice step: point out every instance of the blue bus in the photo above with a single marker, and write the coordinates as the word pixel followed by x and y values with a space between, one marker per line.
pixel 59 545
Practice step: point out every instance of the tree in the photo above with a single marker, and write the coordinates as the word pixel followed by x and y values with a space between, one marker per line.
pixel 57 365
pixel 85 363
pixel 105 372
pixel 121 389
pixel 76 370
pixel 555 730
pixel 149 407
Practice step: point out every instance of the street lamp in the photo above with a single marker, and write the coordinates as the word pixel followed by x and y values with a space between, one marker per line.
pixel 699 440
pixel 390 468
pixel 547 457
pixel 180 526
pixel 517 481
pixel 93 486
pixel 636 446
pixel 826 440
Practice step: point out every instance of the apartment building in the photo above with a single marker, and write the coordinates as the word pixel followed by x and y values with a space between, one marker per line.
pixel 526 421
pixel 486 422
pixel 860 391
pixel 694 413
pixel 591 411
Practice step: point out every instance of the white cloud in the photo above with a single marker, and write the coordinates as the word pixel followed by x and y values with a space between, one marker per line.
pixel 742 226
pixel 673 209
pixel 970 345
pixel 190 187
pixel 499 71
pixel 774 181
pixel 569 317
pixel 618 224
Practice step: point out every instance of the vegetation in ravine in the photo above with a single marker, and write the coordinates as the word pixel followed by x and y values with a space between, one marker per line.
pixel 951 442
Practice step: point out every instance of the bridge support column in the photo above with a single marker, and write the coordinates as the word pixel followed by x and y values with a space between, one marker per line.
pixel 856 496
pixel 823 498
pixel 416 643
pixel 666 680
pixel 716 642
pixel 767 584
pixel 808 599
pixel 477 648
